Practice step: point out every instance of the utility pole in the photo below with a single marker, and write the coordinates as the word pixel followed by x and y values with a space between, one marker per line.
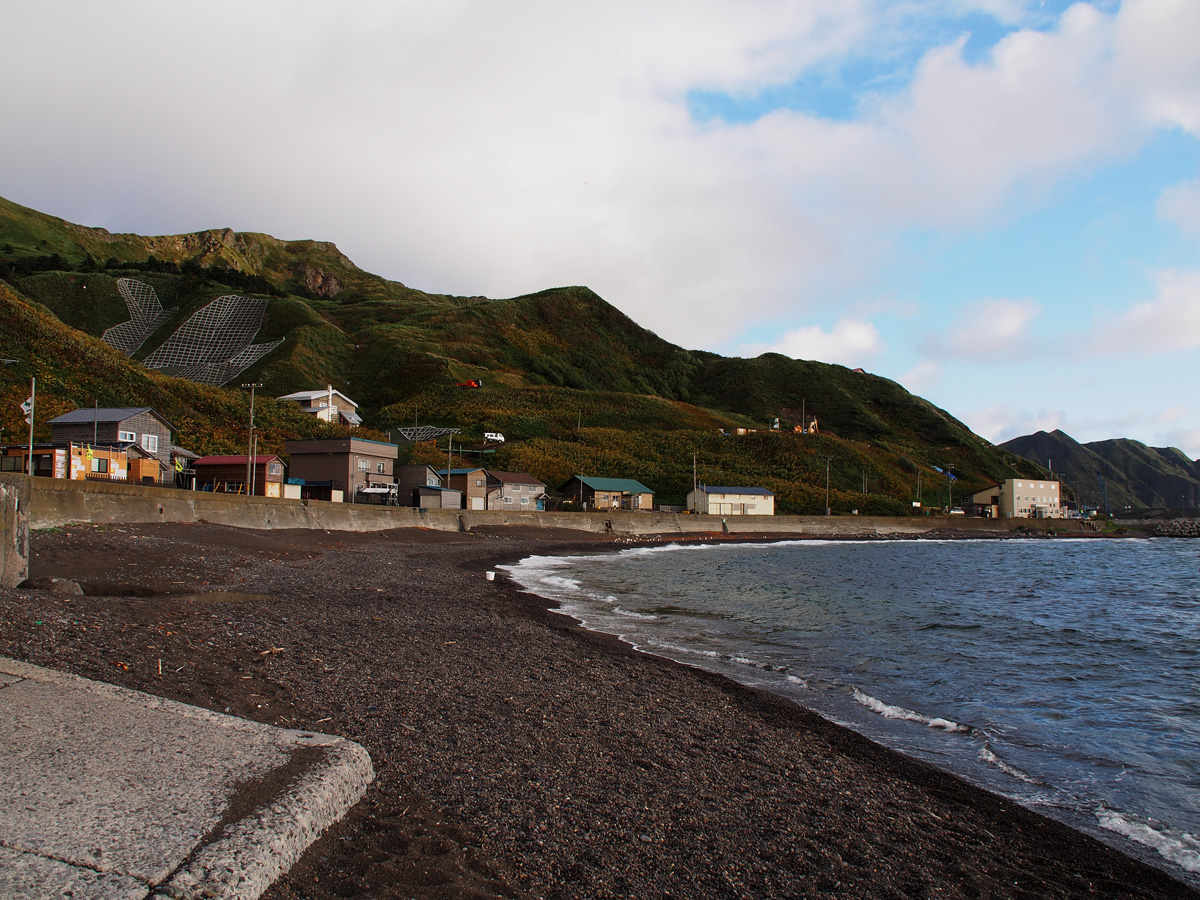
pixel 695 497
pixel 949 491
pixel 250 436
pixel 828 510
pixel 32 415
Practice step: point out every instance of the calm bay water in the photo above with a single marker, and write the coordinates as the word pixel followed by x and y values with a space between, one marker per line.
pixel 1062 673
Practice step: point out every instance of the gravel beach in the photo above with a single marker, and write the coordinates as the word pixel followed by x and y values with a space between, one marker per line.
pixel 518 755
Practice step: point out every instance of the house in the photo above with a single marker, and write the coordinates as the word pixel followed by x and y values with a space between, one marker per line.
pixel 227 475
pixel 731 501
pixel 343 464
pixel 327 405
pixel 473 483
pixel 591 492
pixel 116 426
pixel 1020 498
pixel 514 490
pixel 76 462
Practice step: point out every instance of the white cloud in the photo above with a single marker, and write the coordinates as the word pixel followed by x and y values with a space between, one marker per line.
pixel 1168 322
pixel 921 377
pixel 1180 205
pixel 993 329
pixel 497 149
pixel 848 343
pixel 1002 423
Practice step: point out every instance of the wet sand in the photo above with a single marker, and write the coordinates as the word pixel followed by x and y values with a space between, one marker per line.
pixel 517 755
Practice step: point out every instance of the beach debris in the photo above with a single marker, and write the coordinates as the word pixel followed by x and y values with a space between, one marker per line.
pixel 271 651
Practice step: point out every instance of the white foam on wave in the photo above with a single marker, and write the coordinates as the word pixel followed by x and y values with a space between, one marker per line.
pixel 560 581
pixel 630 614
pixel 679 648
pixel 907 715
pixel 802 682
pixel 1179 847
pixel 987 755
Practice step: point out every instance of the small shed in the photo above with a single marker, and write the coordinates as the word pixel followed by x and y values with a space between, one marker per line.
pixel 432 496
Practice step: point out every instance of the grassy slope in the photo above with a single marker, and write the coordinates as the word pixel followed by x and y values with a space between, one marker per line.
pixel 575 384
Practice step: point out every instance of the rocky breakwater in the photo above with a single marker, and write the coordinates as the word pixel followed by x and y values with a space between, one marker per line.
pixel 1178 528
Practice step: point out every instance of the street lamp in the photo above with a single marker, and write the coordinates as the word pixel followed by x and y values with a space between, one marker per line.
pixel 250 437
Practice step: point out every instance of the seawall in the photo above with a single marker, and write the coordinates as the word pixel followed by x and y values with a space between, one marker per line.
pixel 14 529
pixel 56 502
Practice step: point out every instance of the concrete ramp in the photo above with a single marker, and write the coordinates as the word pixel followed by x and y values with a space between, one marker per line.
pixel 112 794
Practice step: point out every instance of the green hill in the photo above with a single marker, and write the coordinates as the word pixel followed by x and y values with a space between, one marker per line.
pixel 574 384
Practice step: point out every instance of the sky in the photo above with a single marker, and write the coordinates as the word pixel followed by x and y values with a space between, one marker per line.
pixel 995 203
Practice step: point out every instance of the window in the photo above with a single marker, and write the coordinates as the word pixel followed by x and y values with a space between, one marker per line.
pixel 150 443
pixel 364 466
pixel 127 437
pixel 99 465
pixel 379 467
pixel 12 464
pixel 508 500
pixel 524 501
pixel 274 468
pixel 479 482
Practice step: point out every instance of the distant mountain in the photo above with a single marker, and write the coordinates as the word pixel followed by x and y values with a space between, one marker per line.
pixel 574 384
pixel 1133 474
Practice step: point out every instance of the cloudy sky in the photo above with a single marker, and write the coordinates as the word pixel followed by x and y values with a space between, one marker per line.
pixel 994 202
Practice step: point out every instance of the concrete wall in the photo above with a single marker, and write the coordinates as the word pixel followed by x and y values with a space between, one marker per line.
pixel 14 529
pixel 55 502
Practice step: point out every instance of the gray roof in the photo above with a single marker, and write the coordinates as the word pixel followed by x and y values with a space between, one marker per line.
pixel 106 414
pixel 714 489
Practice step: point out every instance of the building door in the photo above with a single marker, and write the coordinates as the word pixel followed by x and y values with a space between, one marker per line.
pixel 478 503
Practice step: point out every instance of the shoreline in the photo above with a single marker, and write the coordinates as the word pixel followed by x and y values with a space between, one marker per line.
pixel 1078 819
pixel 520 754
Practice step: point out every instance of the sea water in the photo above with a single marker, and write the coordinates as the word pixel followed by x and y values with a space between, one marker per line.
pixel 1064 674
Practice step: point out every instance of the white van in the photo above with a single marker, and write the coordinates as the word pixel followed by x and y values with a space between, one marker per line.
pixel 493 436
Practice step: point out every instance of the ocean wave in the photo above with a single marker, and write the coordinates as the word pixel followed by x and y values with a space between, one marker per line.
pixel 630 614
pixel 679 648
pixel 1179 847
pixel 987 755
pixel 908 715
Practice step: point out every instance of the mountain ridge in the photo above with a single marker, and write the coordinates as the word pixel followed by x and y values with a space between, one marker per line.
pixel 576 385
pixel 1128 473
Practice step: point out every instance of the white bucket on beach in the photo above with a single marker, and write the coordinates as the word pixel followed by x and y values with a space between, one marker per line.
pixel 491 576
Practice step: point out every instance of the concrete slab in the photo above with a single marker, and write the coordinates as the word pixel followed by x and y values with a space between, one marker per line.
pixel 111 793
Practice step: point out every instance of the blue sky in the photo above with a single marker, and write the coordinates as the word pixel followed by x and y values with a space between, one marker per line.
pixel 994 202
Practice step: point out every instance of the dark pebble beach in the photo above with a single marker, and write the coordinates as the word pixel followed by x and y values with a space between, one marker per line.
pixel 516 754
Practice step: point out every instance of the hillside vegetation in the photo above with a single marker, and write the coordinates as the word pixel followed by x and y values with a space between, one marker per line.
pixel 575 385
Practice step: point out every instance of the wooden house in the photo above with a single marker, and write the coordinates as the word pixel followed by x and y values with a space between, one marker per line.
pixel 227 475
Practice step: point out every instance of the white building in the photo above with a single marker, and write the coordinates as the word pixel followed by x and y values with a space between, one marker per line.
pixel 731 501
pixel 1020 498
pixel 327 405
